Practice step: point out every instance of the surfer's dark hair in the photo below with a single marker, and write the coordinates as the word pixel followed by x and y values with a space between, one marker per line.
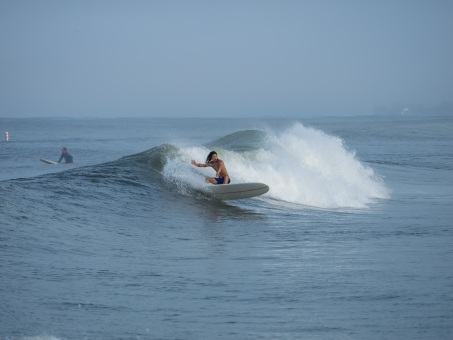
pixel 209 158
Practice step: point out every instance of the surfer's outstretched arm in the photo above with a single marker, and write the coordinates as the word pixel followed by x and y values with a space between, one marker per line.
pixel 200 165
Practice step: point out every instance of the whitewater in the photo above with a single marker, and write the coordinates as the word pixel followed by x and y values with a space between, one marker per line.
pixel 301 165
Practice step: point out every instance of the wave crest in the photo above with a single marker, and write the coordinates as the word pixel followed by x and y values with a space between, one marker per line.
pixel 301 165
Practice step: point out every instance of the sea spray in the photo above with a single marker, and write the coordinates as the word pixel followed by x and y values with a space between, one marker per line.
pixel 301 165
pixel 307 166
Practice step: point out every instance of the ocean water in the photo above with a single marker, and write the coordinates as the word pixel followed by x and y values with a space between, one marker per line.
pixel 354 240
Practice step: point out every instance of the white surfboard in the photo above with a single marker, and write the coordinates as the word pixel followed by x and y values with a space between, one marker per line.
pixel 236 191
pixel 47 161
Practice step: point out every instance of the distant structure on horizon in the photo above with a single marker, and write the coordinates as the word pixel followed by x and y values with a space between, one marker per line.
pixel 444 109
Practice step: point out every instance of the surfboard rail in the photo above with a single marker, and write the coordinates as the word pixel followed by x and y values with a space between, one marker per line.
pixel 237 190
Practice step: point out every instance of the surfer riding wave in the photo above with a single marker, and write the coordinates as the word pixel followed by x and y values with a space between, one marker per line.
pixel 218 165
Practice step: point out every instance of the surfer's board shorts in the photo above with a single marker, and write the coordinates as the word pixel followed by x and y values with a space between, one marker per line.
pixel 220 180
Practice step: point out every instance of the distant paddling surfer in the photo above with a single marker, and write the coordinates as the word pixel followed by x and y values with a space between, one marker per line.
pixel 221 176
pixel 66 155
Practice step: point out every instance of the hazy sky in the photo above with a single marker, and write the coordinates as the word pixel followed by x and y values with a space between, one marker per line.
pixel 222 58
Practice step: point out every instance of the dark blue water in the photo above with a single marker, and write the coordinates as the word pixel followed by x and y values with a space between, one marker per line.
pixel 353 241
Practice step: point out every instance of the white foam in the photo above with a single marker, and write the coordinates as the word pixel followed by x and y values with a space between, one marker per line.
pixel 301 165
